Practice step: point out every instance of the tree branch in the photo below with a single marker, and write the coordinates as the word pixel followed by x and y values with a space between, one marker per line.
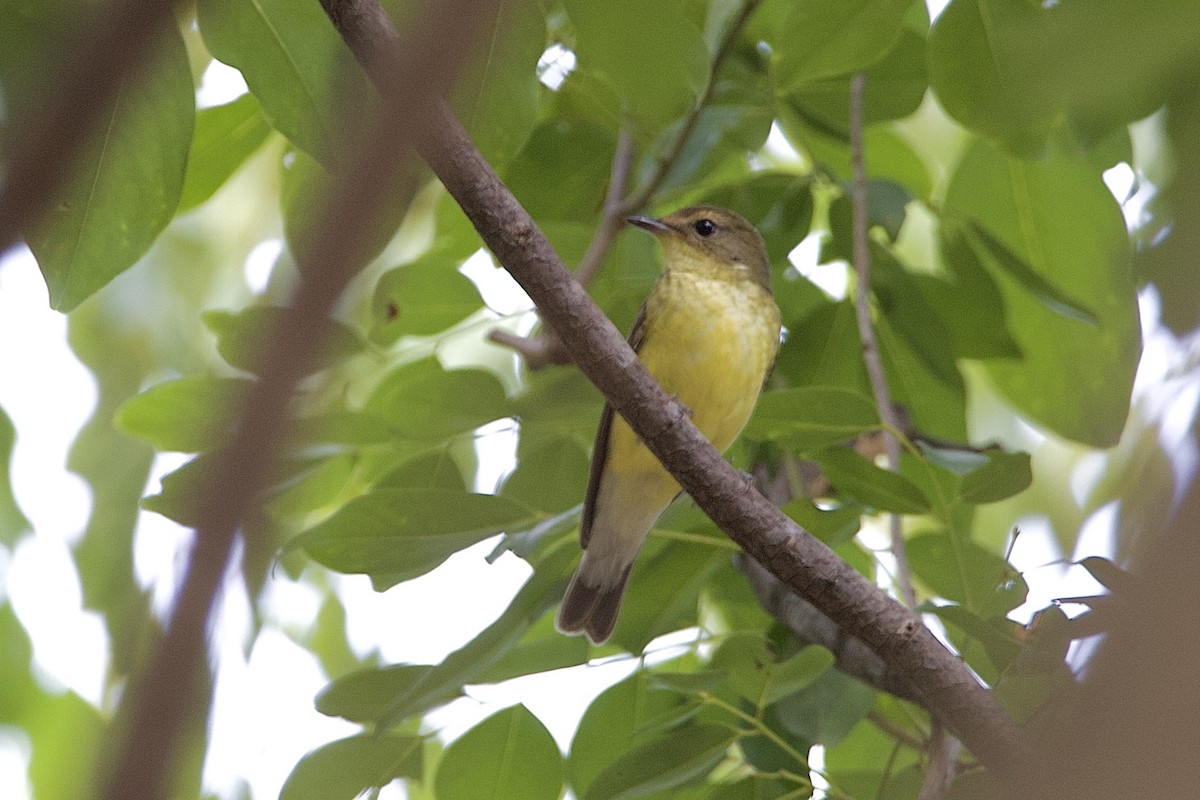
pixel 808 567
pixel 862 309
pixel 156 707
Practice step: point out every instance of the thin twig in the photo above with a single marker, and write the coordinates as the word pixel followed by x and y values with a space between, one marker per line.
pixel 614 211
pixel 866 331
pixel 546 349
pixel 641 197
pixel 159 704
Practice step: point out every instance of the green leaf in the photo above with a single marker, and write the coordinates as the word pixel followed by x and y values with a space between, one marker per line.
pixel 1004 475
pixel 960 570
pixel 614 723
pixel 755 673
pixel 1058 217
pixel 345 427
pixel 225 137
pixel 988 645
pixel 243 336
pixel 664 589
pixel 344 769
pixel 541 649
pixel 824 349
pixel 969 303
pixel 986 62
pixel 830 526
pixel 181 497
pixel 1045 292
pixel 293 61
pixel 825 710
pixel 186 415
pixel 421 299
pixel 551 478
pixel 895 88
pixel 508 756
pixel 562 172
pixel 878 488
pixel 821 40
pixel 662 43
pixel 497 95
pixel 797 672
pixel 809 417
pixel 682 757
pixel 360 695
pixel 13 524
pixel 124 186
pixel 433 469
pixel 316 486
pixel 734 123
pixel 423 401
pixel 397 534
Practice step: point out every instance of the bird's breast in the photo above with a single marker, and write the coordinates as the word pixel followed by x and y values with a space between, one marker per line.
pixel 710 342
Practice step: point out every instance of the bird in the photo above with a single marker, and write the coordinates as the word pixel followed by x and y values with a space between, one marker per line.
pixel 708 333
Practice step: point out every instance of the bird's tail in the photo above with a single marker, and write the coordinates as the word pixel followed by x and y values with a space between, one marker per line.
pixel 593 599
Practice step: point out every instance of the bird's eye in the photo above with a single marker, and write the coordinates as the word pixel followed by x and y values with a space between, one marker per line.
pixel 705 227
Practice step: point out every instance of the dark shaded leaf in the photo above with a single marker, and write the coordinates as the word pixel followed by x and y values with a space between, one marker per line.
pixel 682 757
pixel 1004 475
pixel 397 534
pixel 874 487
pixel 810 417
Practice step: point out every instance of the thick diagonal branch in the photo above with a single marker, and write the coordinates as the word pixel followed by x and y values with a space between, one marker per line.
pixel 808 567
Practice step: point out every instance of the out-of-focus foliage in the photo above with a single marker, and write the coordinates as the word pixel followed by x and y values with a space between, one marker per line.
pixel 1004 289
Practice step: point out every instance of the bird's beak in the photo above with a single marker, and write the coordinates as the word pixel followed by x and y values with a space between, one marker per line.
pixel 654 226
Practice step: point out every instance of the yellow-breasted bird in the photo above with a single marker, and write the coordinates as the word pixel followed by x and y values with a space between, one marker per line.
pixel 708 333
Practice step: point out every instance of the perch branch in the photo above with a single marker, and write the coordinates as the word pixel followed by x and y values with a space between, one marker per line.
pixel 807 566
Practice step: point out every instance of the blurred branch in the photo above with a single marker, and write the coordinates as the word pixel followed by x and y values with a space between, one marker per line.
pixel 115 41
pixel 862 309
pixel 546 349
pixel 156 707
pixel 809 568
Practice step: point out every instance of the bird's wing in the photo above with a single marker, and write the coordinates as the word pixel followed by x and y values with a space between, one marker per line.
pixel 600 449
